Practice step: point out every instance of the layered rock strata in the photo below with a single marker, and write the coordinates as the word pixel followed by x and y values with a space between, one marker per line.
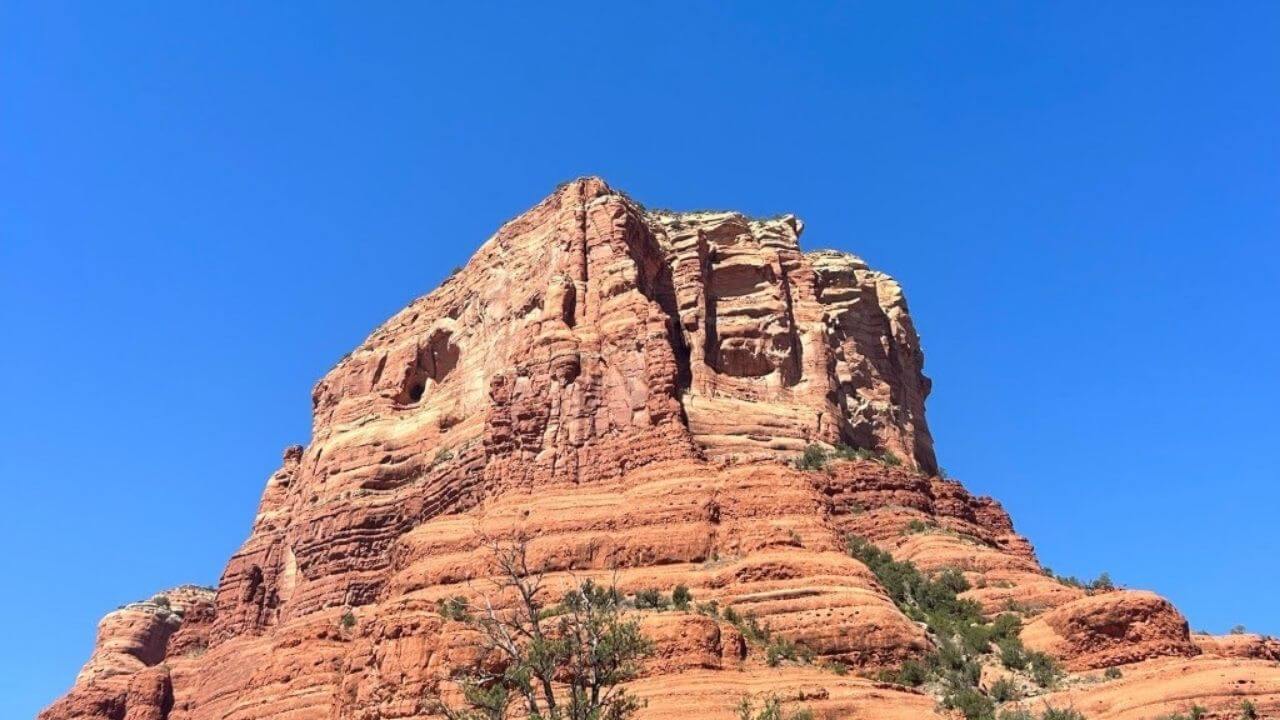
pixel 628 389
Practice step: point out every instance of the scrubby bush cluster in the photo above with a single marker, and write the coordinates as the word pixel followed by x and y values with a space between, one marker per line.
pixel 748 625
pixel 960 632
pixel 654 599
pixel 816 457
pixel 1004 690
pixel 1102 583
pixel 777 649
pixel 651 599
pixel 771 709
pixel 455 608
pixel 918 526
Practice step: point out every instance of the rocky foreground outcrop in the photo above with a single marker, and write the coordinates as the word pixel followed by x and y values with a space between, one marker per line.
pixel 630 388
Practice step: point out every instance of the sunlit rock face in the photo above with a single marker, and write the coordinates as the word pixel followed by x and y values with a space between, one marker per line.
pixel 628 388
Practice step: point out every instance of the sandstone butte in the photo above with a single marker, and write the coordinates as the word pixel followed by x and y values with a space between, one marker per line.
pixel 630 388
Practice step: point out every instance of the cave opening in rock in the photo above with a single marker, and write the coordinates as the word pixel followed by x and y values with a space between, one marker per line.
pixel 432 364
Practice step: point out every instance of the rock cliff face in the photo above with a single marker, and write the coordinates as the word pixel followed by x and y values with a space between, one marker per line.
pixel 629 389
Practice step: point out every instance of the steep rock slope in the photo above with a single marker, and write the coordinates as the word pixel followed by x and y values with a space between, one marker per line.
pixel 628 389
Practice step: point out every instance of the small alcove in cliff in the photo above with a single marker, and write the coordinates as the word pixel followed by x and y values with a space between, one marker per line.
pixel 433 363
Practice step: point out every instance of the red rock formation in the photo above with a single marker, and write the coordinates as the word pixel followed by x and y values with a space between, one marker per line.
pixel 1111 629
pixel 1241 645
pixel 125 677
pixel 628 389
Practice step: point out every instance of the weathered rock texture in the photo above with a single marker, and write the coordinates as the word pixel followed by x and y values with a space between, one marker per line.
pixel 627 388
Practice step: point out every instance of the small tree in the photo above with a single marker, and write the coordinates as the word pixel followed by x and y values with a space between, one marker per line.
pixel 555 662
pixel 1103 583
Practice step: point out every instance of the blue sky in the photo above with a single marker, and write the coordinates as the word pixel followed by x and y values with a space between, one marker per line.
pixel 203 206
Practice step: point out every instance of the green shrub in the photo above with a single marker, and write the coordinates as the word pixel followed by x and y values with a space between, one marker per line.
pixel 961 632
pixel 976 638
pixel 1103 582
pixel 454 608
pixel 951 582
pixel 1004 690
pixel 1005 627
pixel 650 599
pixel 348 620
pixel 844 452
pixel 890 459
pixel 1012 655
pixel 770 710
pixel 971 703
pixel 1248 711
pixel 912 674
pixel 917 526
pixel 836 667
pixel 1112 673
pixel 910 589
pixel 747 624
pixel 1052 713
pixel 779 649
pixel 1070 580
pixel 1044 669
pixel 1017 714
pixel 752 630
pixel 681 598
pixel 814 458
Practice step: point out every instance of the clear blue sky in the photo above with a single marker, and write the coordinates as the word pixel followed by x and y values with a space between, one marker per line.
pixel 203 206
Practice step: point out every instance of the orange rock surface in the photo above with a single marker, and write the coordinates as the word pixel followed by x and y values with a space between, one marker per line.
pixel 1164 686
pixel 628 389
